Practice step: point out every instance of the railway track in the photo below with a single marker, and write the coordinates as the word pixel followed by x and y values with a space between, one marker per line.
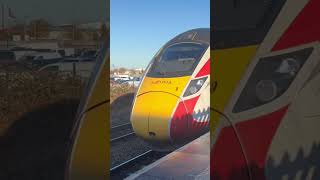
pixel 128 153
pixel 122 137
pixel 121 131
pixel 126 125
pixel 134 164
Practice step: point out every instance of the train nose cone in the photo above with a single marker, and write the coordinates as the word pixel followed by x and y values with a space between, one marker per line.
pixel 151 116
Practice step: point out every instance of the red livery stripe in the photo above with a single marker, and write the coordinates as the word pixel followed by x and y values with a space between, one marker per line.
pixel 227 158
pixel 304 29
pixel 183 124
pixel 205 70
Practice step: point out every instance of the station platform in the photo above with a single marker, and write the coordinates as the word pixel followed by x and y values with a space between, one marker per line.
pixel 189 162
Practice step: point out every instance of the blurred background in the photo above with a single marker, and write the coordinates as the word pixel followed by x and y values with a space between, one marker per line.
pixel 48 50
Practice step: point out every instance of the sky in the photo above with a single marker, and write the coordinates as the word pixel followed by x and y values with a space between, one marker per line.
pixel 138 28
pixel 60 11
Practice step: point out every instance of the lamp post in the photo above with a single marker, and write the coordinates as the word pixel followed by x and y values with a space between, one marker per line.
pixel 2 15
pixel 25 28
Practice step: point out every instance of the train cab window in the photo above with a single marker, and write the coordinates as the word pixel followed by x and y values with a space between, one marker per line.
pixel 177 60
pixel 242 22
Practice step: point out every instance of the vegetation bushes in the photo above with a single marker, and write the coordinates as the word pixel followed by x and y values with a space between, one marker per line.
pixel 24 92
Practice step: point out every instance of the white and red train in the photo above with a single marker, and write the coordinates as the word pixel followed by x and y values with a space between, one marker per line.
pixel 172 103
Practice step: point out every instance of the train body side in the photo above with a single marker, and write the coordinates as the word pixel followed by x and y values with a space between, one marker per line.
pixel 264 106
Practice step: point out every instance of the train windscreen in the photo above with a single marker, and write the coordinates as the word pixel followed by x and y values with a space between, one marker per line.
pixel 242 22
pixel 177 60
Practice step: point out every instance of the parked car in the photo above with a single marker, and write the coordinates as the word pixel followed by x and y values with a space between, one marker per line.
pixel 89 54
pixel 78 59
pixel 37 60
pixel 133 82
pixel 82 69
pixel 122 78
pixel 7 58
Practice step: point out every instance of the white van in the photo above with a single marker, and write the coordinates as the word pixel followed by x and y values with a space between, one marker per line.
pixel 123 77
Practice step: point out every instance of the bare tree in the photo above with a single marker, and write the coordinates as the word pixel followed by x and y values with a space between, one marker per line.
pixel 39 28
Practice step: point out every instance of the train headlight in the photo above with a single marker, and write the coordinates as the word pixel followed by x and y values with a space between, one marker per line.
pixel 266 90
pixel 271 77
pixel 289 66
pixel 194 86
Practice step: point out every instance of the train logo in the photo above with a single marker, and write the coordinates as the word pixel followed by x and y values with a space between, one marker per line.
pixel 265 108
pixel 172 103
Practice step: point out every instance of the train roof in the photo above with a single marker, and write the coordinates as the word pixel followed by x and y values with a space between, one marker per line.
pixel 195 35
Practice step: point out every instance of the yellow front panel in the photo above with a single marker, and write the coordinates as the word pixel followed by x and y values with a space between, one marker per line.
pixel 90 153
pixel 140 116
pixel 229 65
pixel 152 113
pixel 155 104
pixel 170 85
